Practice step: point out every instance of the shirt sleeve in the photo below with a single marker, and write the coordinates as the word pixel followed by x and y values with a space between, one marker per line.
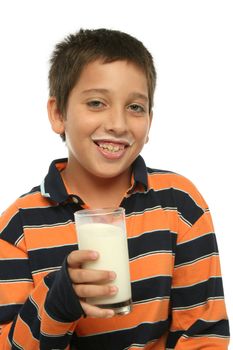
pixel 32 317
pixel 199 318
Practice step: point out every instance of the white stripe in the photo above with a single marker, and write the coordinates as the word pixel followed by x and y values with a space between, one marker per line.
pixel 42 188
pixel 66 223
pixel 154 252
pixel 206 335
pixel 51 247
pixel 195 238
pixel 152 231
pixel 185 220
pixel 196 260
pixel 19 239
pixel 196 305
pixel 147 278
pixel 17 280
pixel 146 301
pixel 12 259
pixel 120 329
pixel 48 269
pixel 195 284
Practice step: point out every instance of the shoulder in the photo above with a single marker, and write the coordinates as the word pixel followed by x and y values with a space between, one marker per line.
pixel 11 226
pixel 178 185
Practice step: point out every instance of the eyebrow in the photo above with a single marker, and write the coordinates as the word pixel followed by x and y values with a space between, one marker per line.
pixel 105 91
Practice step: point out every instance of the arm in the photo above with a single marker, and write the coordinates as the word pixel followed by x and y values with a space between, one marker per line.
pixel 26 320
pixel 199 319
pixel 42 316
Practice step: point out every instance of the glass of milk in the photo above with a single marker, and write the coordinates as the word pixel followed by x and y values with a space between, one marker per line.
pixel 104 230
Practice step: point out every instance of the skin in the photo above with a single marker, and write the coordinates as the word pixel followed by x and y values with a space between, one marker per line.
pixel 109 102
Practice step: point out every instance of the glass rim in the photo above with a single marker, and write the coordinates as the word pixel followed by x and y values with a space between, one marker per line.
pixel 100 211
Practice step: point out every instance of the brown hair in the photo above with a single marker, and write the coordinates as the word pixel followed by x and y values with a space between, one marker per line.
pixel 72 54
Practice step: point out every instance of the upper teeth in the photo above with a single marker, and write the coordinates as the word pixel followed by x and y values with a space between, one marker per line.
pixel 110 147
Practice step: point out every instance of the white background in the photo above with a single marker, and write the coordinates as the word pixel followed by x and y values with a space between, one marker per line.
pixel 192 43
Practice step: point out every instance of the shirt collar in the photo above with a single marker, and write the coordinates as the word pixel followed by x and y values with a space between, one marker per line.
pixel 54 188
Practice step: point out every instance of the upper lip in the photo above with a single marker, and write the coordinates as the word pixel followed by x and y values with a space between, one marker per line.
pixel 113 140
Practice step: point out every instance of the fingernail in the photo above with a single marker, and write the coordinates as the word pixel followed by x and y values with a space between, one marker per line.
pixel 112 275
pixel 110 313
pixel 94 255
pixel 113 289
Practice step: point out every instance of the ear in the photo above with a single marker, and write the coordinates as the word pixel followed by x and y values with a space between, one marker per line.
pixel 55 117
pixel 151 117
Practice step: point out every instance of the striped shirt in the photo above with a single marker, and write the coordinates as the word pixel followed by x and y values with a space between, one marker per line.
pixel 176 280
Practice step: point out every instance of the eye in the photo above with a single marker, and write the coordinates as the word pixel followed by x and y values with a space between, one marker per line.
pixel 96 104
pixel 137 108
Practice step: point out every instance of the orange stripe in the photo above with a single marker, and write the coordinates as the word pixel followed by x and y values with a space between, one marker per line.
pixel 15 292
pixel 9 251
pixel 7 215
pixel 207 343
pixel 202 226
pixel 50 236
pixel 151 265
pixel 159 344
pixel 212 310
pixel 33 200
pixel 22 332
pixel 176 181
pixel 4 331
pixel 37 277
pixel 153 311
pixel 53 327
pixel 196 272
pixel 151 221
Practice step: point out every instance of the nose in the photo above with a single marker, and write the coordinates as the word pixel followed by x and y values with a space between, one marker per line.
pixel 116 121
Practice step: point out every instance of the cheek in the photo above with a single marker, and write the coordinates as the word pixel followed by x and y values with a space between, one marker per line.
pixel 141 131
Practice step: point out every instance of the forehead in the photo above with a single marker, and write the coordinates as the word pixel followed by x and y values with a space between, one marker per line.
pixel 120 74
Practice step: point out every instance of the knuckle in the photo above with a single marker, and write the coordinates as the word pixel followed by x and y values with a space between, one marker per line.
pixel 81 290
pixel 81 275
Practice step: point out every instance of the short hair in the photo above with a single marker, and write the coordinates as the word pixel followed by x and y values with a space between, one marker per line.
pixel 77 50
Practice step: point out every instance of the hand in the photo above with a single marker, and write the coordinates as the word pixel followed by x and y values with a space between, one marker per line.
pixel 88 283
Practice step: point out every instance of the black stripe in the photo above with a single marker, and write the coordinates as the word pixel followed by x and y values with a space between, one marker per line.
pixel 201 327
pixel 199 293
pixel 8 312
pixel 46 216
pixel 48 343
pixel 14 269
pixel 122 339
pixel 152 241
pixel 29 315
pixel 156 287
pixel 173 338
pixel 199 247
pixel 47 258
pixel 171 197
pixel 13 230
pixel 187 208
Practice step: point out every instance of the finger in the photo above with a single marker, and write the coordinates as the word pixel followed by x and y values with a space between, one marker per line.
pixel 77 257
pixel 91 276
pixel 95 311
pixel 89 290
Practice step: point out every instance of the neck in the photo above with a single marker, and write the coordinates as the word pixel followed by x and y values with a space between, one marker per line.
pixel 96 192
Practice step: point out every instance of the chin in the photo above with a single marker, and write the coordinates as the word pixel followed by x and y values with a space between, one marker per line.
pixel 108 174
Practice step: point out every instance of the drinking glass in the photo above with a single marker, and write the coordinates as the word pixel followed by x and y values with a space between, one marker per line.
pixel 104 230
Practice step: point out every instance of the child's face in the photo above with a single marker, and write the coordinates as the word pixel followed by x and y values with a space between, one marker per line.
pixel 107 120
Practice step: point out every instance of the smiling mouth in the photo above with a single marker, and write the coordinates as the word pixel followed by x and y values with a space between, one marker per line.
pixel 111 147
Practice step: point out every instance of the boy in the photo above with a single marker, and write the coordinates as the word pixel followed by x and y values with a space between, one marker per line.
pixel 101 98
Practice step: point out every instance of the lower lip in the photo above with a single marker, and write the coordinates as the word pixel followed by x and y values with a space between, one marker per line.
pixel 111 155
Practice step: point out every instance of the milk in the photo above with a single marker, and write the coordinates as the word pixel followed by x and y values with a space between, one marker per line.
pixel 111 243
